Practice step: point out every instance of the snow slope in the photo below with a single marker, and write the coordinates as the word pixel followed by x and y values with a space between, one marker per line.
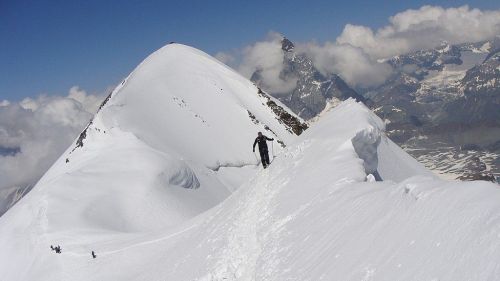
pixel 151 210
pixel 162 149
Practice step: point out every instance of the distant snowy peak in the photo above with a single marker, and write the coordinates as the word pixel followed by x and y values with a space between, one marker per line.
pixel 482 47
pixel 444 54
pixel 431 59
pixel 483 78
pixel 444 48
pixel 444 73
pixel 287 45
pixel 313 90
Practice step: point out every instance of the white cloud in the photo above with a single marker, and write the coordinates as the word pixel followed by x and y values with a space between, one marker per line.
pixel 355 54
pixel 39 130
pixel 364 38
pixel 349 62
pixel 267 57
pixel 89 102
pixel 423 28
pixel 225 58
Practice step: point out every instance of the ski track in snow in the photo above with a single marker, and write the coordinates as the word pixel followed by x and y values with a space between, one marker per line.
pixel 110 252
pixel 231 165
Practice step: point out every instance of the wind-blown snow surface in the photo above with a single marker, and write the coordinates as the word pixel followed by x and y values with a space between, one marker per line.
pixel 314 214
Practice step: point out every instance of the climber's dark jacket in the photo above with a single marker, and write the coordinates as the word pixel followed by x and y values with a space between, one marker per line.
pixel 261 140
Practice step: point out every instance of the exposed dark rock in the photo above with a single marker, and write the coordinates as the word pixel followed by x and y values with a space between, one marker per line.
pixel 105 101
pixel 478 177
pixel 254 119
pixel 471 146
pixel 313 89
pixel 83 134
pixel 287 45
pixel 415 121
pixel 292 123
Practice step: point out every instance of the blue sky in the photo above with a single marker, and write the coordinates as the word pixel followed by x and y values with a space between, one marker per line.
pixel 46 47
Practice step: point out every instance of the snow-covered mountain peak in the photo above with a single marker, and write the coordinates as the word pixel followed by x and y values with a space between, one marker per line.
pixel 183 101
pixel 444 47
pixel 287 45
pixel 171 141
pixel 313 90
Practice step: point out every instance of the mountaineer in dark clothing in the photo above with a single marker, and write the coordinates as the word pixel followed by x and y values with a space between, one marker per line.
pixel 264 155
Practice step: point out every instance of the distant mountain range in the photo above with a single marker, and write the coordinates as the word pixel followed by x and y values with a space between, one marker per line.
pixel 452 88
pixel 314 90
pixel 440 101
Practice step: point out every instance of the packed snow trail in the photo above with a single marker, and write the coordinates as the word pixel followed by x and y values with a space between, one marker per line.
pixel 230 165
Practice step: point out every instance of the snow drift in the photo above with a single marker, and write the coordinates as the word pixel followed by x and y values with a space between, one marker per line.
pixel 149 187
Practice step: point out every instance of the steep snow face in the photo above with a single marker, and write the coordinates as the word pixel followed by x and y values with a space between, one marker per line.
pixel 173 140
pixel 184 102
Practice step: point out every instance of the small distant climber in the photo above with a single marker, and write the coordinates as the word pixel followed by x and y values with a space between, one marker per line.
pixel 94 255
pixel 58 249
pixel 264 154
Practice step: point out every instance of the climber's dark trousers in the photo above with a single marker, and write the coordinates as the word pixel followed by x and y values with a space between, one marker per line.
pixel 264 157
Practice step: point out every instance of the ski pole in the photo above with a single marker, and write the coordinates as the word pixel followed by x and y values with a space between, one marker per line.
pixel 272 148
pixel 258 161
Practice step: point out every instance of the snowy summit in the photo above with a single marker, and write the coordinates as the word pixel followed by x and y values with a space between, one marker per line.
pixel 163 185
